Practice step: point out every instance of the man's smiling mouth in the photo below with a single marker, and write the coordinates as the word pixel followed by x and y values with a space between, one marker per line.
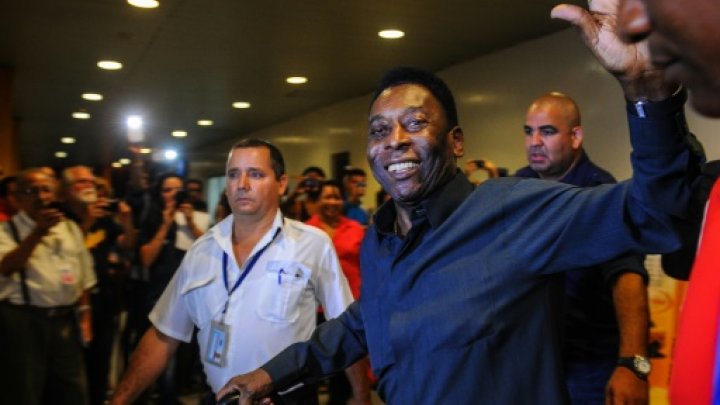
pixel 402 167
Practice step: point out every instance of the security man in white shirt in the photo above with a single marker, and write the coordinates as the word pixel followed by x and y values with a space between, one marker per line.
pixel 45 275
pixel 251 285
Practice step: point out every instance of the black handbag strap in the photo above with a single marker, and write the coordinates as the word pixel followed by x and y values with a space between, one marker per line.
pixel 23 276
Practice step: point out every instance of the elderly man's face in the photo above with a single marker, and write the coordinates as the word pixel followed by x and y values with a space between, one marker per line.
pixel 35 192
pixel 684 38
pixel 82 185
pixel 410 148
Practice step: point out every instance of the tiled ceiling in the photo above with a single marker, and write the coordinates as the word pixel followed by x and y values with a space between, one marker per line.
pixel 190 59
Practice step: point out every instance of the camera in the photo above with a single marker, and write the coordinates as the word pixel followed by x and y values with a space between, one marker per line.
pixel 310 183
pixel 113 205
pixel 56 205
pixel 181 197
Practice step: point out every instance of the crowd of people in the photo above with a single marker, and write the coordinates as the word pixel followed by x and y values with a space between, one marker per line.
pixel 519 289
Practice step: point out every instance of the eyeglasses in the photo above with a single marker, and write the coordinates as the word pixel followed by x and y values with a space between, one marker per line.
pixel 36 190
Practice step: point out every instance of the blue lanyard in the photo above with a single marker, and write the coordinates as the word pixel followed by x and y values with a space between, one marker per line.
pixel 248 268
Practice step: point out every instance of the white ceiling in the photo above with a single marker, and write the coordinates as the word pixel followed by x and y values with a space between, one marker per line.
pixel 190 59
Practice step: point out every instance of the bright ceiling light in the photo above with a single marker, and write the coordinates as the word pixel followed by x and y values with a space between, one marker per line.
pixel 145 151
pixel 205 123
pixel 67 139
pixel 92 96
pixel 179 134
pixel 134 122
pixel 60 154
pixel 116 165
pixel 391 34
pixel 124 161
pixel 241 104
pixel 170 154
pixel 144 3
pixel 109 65
pixel 296 80
pixel 81 115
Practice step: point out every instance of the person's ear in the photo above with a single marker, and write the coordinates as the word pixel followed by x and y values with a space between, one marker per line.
pixel 577 137
pixel 457 139
pixel 282 184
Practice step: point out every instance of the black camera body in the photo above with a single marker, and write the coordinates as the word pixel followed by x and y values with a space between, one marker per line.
pixel 113 205
pixel 310 183
pixel 181 197
pixel 56 205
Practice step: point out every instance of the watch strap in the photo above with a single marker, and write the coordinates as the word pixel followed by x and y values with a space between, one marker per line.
pixel 629 363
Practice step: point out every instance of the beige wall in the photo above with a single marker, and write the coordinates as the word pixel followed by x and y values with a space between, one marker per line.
pixel 492 93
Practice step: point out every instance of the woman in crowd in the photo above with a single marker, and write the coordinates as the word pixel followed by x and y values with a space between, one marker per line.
pixel 346 235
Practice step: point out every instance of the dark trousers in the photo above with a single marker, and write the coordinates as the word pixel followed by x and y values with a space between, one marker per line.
pixel 42 358
pixel 586 381
pixel 98 354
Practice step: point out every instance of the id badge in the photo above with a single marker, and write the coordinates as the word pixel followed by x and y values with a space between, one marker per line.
pixel 67 277
pixel 218 342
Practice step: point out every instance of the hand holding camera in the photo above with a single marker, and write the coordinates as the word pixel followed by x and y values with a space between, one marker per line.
pixel 50 214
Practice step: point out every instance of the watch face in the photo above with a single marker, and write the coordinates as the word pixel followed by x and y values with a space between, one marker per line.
pixel 642 365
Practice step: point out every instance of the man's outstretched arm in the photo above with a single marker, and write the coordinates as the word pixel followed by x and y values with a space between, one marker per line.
pixel 334 346
pixel 147 362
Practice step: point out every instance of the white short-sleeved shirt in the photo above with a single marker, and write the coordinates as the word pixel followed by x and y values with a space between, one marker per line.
pixel 58 270
pixel 273 307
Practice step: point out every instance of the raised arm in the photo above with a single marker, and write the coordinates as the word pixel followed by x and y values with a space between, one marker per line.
pixel 629 63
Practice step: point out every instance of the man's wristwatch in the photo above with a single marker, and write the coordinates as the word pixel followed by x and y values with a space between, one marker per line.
pixel 638 364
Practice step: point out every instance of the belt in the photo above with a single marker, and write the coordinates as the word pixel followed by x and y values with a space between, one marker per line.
pixel 50 312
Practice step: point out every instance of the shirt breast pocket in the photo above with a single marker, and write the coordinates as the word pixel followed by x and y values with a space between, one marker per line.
pixel 281 289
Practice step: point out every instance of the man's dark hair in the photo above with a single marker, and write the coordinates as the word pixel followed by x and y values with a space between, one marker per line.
pixel 5 184
pixel 314 169
pixel 276 157
pixel 194 181
pixel 436 86
pixel 330 183
pixel 354 171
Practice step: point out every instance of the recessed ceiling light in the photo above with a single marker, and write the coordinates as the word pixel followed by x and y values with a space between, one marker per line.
pixel 109 65
pixel 124 161
pixel 391 34
pixel 67 139
pixel 144 3
pixel 81 115
pixel 179 134
pixel 296 80
pixel 116 164
pixel 92 96
pixel 170 154
pixel 145 151
pixel 241 104
pixel 205 123
pixel 134 122
pixel 60 154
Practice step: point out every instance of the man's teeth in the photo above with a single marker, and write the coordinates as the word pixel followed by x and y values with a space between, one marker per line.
pixel 398 167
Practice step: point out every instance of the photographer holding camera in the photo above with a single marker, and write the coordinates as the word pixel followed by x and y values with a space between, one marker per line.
pixel 109 234
pixel 171 228
pixel 302 203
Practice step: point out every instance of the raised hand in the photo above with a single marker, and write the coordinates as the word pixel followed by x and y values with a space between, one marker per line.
pixel 629 63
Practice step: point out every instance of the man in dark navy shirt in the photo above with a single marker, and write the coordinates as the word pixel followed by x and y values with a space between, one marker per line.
pixel 606 308
pixel 462 286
